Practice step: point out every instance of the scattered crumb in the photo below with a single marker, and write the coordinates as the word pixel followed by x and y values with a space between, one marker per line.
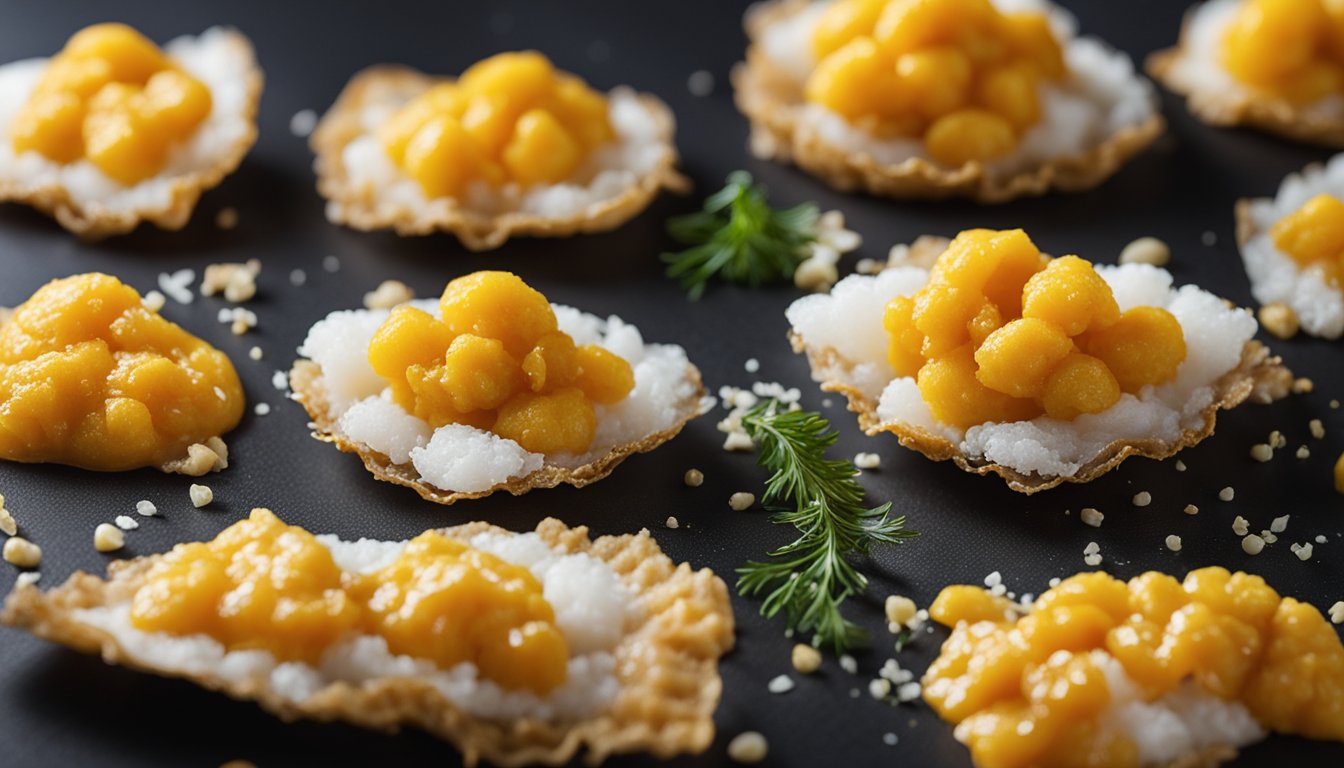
pixel 1091 517
pixel 303 122
pixel 1334 405
pixel 907 692
pixel 388 294
pixel 700 83
pixel 126 522
pixel 1320 538
pixel 297 277
pixel 239 319
pixel 1317 428
pixel 26 579
pixel 1143 499
pixel 255 353
pixel 899 610
pixel 1303 385
pixel 210 456
pixel 8 525
pixel 1191 509
pixel 1303 551
pixel 174 285
pixel 780 684
pixel 108 538
pixel 1240 526
pixel 693 477
pixel 227 218
pixel 1337 613
pixel 1279 524
pixel 331 264
pixel 748 748
pixel 1261 452
pixel 869 266
pixel 672 522
pixel 154 301
pixel 262 409
pixel 200 495
pixel 879 688
pixel 889 739
pixel 280 380
pixel 752 365
pixel 848 664
pixel 237 282
pixel 741 501
pixel 1174 543
pixel 1279 319
pixel 1092 554
pixel 1253 544
pixel 22 552
pixel 1303 452
pixel 1209 238
pixel 146 508
pixel 1180 466
pixel 1146 250
pixel 805 658
pixel 1227 494
pixel 867 460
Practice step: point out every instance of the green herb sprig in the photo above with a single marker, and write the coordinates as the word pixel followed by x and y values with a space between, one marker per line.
pixel 810 579
pixel 739 237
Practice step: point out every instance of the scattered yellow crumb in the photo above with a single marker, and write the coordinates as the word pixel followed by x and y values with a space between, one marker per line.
pixel 1317 428
pixel 741 501
pixel 388 294
pixel 1303 386
pixel 22 552
pixel 748 748
pixel 108 538
pixel 200 495
pixel 238 282
pixel 1261 452
pixel 693 477
pixel 1146 250
pixel 899 609
pixel 806 659
pixel 1279 319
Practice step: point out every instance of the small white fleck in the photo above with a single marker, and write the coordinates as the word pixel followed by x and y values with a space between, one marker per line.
pixel 741 501
pixel 693 478
pixel 1093 559
pixel 1092 548
pixel 1320 538
pixel 1180 466
pixel 889 739
pixel 1279 524
pixel 303 122
pixel 200 495
pixel 1261 452
pixel 752 365
pixel 126 523
pixel 298 277
pixel 827 402
pixel 220 394
pixel 780 684
pixel 672 522
pixel 1092 517
pixel 700 83
pixel 154 301
pixel 748 747
pixel 908 692
pixel 26 579
pixel 280 380
pixel 108 538
pixel 867 460
pixel 1303 452
pixel 1337 613
pixel 331 264
pixel 1054 582
pixel 848 664
pixel 1174 543
pixel 994 579
pixel 879 688
pixel 146 508
pixel 1241 526
pixel 1143 499
pixel 1303 551
pixel 262 409
pixel 1191 509
pixel 255 353
pixel 1227 494
pixel 1253 545
pixel 1317 428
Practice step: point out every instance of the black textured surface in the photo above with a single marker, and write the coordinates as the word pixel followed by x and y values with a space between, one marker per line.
pixel 60 708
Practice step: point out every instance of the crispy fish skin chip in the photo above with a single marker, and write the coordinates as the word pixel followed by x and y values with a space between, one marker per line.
pixel 306 383
pixel 94 222
pixel 771 98
pixel 666 665
pixel 391 86
pixel 1242 106
pixel 1259 377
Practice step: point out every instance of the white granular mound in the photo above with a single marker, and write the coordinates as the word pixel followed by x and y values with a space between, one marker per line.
pixel 591 606
pixel 1214 336
pixel 213 57
pixel 1200 62
pixel 1182 722
pixel 1275 276
pixel 1102 95
pixel 606 173
pixel 463 458
pixel 457 457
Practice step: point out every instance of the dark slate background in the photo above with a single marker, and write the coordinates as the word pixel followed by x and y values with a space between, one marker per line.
pixel 62 709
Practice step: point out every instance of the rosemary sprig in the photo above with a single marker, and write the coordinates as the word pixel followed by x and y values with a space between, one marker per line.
pixel 810 579
pixel 739 237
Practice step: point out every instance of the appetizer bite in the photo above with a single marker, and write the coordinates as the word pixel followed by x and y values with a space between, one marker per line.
pixel 1149 673
pixel 512 147
pixel 517 648
pixel 490 388
pixel 113 131
pixel 1276 65
pixel 91 377
pixel 1293 248
pixel 940 98
pixel 1040 370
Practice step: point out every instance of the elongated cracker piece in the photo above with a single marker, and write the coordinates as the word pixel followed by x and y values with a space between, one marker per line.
pixel 1259 377
pixel 305 380
pixel 772 100
pixel 167 199
pixel 383 89
pixel 666 662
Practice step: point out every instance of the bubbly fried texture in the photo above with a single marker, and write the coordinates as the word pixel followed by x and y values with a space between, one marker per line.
pixel 91 378
pixel 666 663
pixel 391 87
pixel 770 98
